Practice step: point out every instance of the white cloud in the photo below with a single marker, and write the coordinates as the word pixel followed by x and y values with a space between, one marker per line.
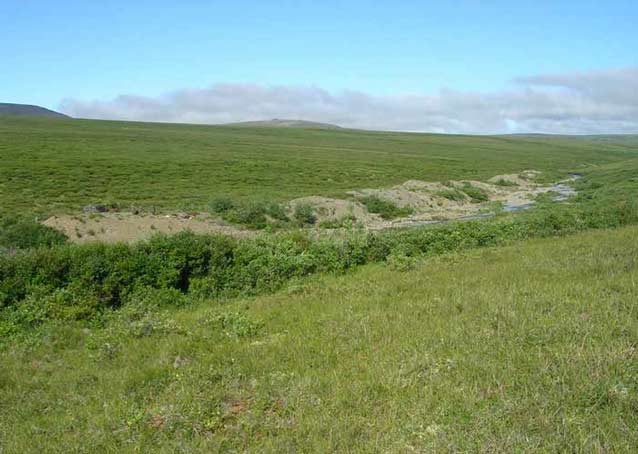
pixel 571 103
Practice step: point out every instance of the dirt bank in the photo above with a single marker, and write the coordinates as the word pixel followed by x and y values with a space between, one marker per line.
pixel 128 227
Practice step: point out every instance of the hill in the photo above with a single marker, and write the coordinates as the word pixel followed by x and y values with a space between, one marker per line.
pixel 282 123
pixel 60 166
pixel 27 110
pixel 526 348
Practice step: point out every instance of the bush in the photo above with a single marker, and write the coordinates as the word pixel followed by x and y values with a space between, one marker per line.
pixel 81 282
pixel 504 182
pixel 452 194
pixel 221 205
pixel 384 208
pixel 19 233
pixel 305 215
pixel 347 221
pixel 477 195
pixel 255 215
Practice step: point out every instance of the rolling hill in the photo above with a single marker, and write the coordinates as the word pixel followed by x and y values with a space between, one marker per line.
pixel 27 110
pixel 283 123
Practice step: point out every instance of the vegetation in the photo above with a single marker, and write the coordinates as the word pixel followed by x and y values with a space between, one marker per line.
pixel 385 208
pixel 54 166
pixel 476 194
pixel 305 215
pixel 19 232
pixel 490 335
pixel 452 194
pixel 80 282
pixel 524 348
pixel 252 214
pixel 504 182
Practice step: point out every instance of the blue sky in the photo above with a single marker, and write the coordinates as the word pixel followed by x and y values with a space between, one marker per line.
pixel 85 50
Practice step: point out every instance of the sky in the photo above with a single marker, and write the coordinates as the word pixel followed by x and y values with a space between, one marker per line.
pixel 450 67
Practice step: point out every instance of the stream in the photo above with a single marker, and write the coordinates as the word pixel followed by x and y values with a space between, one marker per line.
pixel 562 189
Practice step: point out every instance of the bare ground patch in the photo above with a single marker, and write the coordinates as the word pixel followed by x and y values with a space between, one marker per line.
pixel 430 202
pixel 129 227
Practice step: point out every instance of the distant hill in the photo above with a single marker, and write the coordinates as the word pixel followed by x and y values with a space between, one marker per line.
pixel 281 123
pixel 26 110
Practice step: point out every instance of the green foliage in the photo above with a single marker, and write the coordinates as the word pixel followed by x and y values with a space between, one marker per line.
pixel 304 214
pixel 401 262
pixel 504 182
pixel 60 166
pixel 540 337
pixel 476 194
pixel 384 208
pixel 80 282
pixel 20 233
pixel 452 194
pixel 221 205
pixel 348 221
pixel 252 214
pixel 234 324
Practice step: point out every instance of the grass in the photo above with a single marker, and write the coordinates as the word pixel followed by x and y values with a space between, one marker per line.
pixel 524 348
pixel 385 208
pixel 57 166
pixel 428 339
pixel 451 194
pixel 477 195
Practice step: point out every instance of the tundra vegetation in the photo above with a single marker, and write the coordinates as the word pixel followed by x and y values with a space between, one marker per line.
pixel 513 333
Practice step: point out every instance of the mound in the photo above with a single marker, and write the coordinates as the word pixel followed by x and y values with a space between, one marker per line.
pixel 27 110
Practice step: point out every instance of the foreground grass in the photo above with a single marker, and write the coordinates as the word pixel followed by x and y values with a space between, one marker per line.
pixel 530 347
pixel 53 166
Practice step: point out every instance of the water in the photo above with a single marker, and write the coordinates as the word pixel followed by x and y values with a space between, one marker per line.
pixel 563 192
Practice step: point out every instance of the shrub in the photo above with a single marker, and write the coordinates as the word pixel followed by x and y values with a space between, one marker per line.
pixel 347 221
pixel 304 214
pixel 251 214
pixel 476 194
pixel 81 282
pixel 19 233
pixel 384 208
pixel 234 324
pixel 451 194
pixel 504 182
pixel 221 205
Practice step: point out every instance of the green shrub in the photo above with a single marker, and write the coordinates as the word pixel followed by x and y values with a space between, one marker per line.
pixel 234 324
pixel 277 212
pixel 19 233
pixel 476 194
pixel 384 208
pixel 81 282
pixel 504 182
pixel 255 215
pixel 304 214
pixel 451 194
pixel 221 205
pixel 347 221
pixel 250 214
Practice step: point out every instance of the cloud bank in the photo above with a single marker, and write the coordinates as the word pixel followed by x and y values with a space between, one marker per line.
pixel 571 103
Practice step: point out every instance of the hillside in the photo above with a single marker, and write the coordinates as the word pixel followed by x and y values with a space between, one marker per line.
pixel 26 110
pixel 61 166
pixel 280 123
pixel 527 348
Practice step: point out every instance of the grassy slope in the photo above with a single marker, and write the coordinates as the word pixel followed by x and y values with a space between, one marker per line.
pixel 530 347
pixel 53 166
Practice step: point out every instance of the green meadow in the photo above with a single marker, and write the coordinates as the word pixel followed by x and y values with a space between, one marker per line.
pixel 516 333
pixel 56 166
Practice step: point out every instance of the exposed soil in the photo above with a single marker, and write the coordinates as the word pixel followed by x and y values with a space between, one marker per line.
pixel 129 227
pixel 427 199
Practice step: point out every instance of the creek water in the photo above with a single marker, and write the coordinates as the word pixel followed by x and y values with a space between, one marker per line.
pixel 563 192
